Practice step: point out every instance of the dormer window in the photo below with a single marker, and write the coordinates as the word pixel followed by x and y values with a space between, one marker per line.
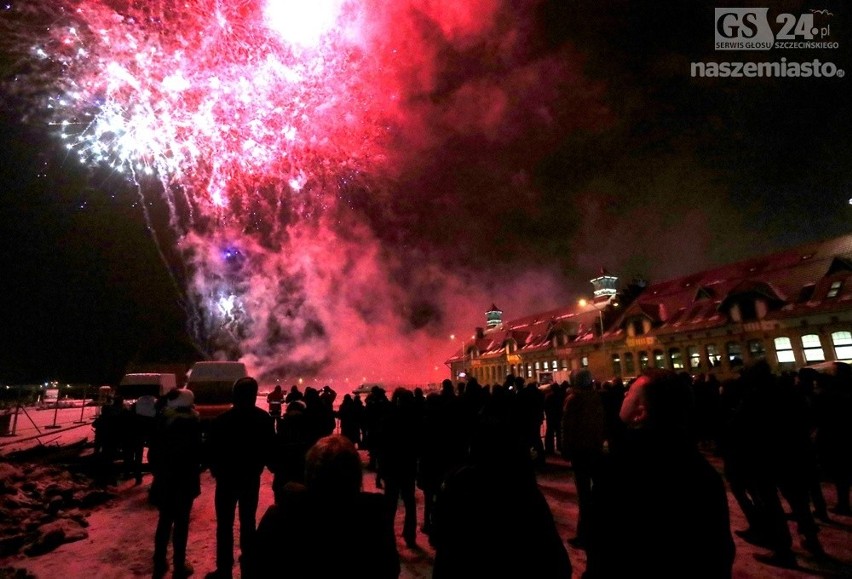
pixel 834 289
pixel 635 327
pixel 748 310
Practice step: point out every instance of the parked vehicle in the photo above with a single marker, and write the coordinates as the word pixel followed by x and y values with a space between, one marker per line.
pixel 211 383
pixel 134 386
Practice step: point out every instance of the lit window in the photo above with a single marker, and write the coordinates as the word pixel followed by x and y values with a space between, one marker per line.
pixel 584 362
pixel 643 360
pixel 537 366
pixel 694 357
pixel 834 289
pixel 756 349
pixel 554 366
pixel 735 354
pixel 676 359
pixel 616 365
pixel 784 351
pixel 842 346
pixel 812 348
pixel 546 366
pixel 659 359
pixel 565 363
pixel 629 368
pixel 713 356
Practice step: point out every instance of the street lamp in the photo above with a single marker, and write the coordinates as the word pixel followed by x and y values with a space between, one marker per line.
pixel 600 307
pixel 464 353
pixel 583 302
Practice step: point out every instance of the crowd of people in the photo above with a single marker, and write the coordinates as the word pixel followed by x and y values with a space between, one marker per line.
pixel 650 503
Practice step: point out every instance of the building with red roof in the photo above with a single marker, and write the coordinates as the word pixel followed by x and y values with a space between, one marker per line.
pixel 793 308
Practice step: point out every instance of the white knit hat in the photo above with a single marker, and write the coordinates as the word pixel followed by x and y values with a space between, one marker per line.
pixel 183 398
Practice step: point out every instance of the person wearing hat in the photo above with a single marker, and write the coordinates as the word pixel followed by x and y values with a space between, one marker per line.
pixel 175 460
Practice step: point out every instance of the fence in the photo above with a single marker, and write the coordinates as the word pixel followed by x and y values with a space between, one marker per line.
pixel 32 411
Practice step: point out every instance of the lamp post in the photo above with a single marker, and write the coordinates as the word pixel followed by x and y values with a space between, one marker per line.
pixel 600 307
pixel 453 338
pixel 464 353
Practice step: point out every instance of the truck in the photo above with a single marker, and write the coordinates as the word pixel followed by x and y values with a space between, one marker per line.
pixel 212 383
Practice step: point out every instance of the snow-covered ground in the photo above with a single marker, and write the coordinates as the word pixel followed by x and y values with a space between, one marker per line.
pixel 120 533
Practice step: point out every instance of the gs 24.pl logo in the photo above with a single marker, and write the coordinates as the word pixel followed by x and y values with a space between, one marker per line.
pixel 749 29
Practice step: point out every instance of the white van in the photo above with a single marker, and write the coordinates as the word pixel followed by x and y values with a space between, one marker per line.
pixel 212 384
pixel 134 386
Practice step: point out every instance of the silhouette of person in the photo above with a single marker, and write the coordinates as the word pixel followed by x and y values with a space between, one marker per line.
pixel 328 528
pixel 292 441
pixel 397 459
pixel 175 458
pixel 141 423
pixel 770 446
pixel 834 432
pixel 240 447
pixel 553 402
pixel 583 430
pixel 349 415
pixel 492 497
pixel 275 399
pixel 293 395
pixel 661 510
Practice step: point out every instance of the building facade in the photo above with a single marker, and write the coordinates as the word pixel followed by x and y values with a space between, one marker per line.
pixel 792 308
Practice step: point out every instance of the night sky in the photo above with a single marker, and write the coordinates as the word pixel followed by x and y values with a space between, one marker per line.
pixel 562 137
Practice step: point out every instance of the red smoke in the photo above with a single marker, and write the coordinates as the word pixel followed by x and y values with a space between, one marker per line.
pixel 335 200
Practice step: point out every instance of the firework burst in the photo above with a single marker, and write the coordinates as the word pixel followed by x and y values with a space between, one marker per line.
pixel 244 117
pixel 281 150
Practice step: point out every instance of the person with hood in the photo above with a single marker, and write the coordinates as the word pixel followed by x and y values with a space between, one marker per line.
pixel 175 459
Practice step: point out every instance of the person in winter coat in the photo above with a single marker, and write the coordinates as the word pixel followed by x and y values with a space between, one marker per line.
pixel 327 528
pixel 240 446
pixel 398 450
pixel 349 414
pixel 275 399
pixel 661 508
pixel 583 426
pixel 491 519
pixel 175 460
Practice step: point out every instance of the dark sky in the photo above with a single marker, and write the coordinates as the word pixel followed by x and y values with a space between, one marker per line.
pixel 606 152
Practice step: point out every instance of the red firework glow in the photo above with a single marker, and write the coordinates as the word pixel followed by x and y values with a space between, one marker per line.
pixel 251 122
pixel 216 98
